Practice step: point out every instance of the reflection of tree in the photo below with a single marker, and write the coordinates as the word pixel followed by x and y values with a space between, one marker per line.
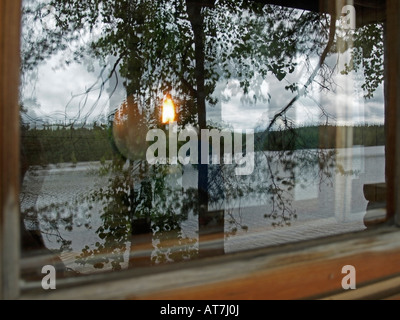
pixel 272 183
pixel 136 201
pixel 186 47
pixel 49 219
pixel 367 54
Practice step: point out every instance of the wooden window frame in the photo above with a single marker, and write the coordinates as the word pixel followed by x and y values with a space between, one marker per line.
pixel 10 11
pixel 305 270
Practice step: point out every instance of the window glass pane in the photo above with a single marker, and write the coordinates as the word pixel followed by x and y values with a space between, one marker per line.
pixel 157 132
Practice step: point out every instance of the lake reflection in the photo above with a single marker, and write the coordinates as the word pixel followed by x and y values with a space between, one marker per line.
pixel 76 211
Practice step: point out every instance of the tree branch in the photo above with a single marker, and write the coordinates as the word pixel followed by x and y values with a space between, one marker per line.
pixel 303 91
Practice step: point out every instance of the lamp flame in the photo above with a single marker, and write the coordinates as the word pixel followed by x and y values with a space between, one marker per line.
pixel 168 110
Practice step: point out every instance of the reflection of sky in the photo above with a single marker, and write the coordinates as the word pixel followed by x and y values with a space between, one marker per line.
pixel 343 105
pixel 58 94
pixel 59 97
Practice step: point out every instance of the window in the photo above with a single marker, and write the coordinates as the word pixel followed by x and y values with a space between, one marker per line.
pixel 187 135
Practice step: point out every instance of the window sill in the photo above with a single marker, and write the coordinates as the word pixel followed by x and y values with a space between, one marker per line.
pixel 305 270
